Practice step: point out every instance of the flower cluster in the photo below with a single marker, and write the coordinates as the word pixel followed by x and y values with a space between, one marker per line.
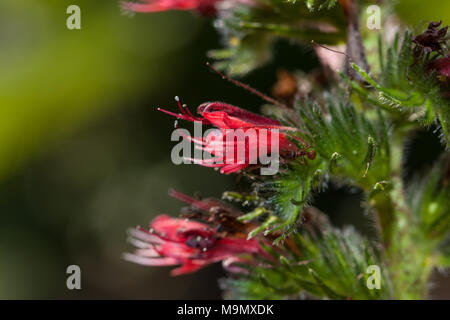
pixel 259 135
pixel 193 244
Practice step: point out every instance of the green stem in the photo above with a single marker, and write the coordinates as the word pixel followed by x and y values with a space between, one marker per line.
pixel 409 257
pixel 385 215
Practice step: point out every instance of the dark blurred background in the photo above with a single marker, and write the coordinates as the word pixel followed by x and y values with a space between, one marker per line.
pixel 84 154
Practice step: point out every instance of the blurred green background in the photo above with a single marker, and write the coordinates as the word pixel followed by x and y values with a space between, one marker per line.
pixel 84 154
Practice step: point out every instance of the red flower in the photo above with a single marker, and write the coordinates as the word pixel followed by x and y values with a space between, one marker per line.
pixel 206 7
pixel 441 66
pixel 221 142
pixel 191 244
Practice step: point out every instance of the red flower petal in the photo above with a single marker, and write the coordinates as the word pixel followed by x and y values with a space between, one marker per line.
pixel 224 115
pixel 174 229
pixel 441 66
pixel 206 7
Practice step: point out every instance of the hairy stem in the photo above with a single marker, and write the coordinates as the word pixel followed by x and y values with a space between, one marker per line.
pixel 409 256
pixel 355 48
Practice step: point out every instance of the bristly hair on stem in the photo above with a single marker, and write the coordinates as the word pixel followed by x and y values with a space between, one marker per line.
pixel 246 87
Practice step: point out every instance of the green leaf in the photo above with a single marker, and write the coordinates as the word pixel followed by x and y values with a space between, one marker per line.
pixel 347 142
pixel 407 92
pixel 287 195
pixel 330 263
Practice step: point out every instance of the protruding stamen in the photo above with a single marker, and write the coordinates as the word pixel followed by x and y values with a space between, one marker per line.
pixel 189 112
pixel 246 87
pixel 332 50
pixel 177 99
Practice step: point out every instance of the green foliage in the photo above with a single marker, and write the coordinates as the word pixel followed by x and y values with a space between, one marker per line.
pixel 249 31
pixel 349 144
pixel 320 261
pixel 420 231
pixel 429 200
pixel 319 4
pixel 348 147
pixel 408 92
pixel 353 144
pixel 350 138
pixel 287 195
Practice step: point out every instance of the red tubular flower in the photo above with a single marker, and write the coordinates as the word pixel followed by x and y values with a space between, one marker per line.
pixel 191 244
pixel 205 7
pixel 441 66
pixel 228 119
